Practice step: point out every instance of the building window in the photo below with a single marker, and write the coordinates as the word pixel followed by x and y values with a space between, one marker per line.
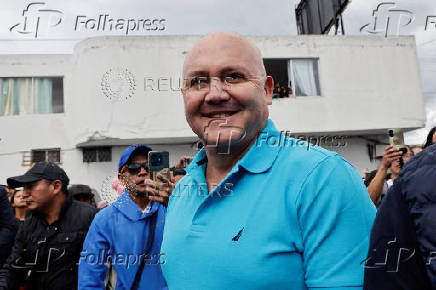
pixel 50 155
pixel 31 95
pixel 294 77
pixel 97 154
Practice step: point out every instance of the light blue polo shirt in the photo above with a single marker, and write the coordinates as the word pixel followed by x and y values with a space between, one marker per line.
pixel 285 217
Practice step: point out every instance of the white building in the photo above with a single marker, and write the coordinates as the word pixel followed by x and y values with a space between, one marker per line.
pixel 83 109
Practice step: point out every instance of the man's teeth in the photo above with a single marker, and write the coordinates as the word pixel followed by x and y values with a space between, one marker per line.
pixel 221 115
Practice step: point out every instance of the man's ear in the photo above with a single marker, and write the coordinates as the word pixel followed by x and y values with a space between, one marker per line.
pixel 57 186
pixel 122 178
pixel 269 87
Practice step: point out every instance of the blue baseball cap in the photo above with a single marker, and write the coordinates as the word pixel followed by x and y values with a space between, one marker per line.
pixel 128 152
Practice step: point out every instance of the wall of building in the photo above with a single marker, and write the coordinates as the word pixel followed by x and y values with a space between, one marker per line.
pixel 368 85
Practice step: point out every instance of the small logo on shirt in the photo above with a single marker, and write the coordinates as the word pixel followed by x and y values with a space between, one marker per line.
pixel 236 238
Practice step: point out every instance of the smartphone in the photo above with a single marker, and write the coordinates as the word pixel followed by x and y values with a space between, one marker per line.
pixel 159 162
pixel 396 139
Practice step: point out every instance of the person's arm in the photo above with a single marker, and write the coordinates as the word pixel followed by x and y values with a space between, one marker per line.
pixel 92 263
pixel 14 271
pixel 335 215
pixel 375 187
pixel 7 230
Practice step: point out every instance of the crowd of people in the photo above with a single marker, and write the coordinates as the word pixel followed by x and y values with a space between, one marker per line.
pixel 282 91
pixel 258 217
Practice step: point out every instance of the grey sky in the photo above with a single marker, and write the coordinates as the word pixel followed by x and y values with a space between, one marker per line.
pixel 195 17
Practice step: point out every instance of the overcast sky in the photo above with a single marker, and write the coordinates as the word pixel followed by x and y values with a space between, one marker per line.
pixel 199 17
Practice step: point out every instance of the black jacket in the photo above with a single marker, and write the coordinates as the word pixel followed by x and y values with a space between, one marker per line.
pixel 402 252
pixel 7 231
pixel 51 253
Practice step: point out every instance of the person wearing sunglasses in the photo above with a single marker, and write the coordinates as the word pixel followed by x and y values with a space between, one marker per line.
pixel 128 233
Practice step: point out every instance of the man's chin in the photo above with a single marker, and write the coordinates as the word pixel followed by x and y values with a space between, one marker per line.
pixel 224 146
pixel 33 207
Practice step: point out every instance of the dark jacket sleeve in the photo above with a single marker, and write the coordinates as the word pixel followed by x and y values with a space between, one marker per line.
pixel 7 230
pixel 394 260
pixel 13 272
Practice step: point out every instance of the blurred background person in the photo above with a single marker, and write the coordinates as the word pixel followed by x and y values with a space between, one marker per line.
pixel 397 165
pixel 431 138
pixel 379 181
pixel 7 231
pixel 19 205
pixel 416 149
pixel 9 191
pixel 178 171
pixel 82 193
pixel 276 91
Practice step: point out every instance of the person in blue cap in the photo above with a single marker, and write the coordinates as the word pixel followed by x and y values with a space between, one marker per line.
pixel 128 233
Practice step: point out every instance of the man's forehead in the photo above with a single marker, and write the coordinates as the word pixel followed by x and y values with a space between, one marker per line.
pixel 206 69
pixel 220 50
pixel 137 157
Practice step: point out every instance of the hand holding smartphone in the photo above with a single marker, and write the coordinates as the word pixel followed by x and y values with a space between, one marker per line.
pixel 158 162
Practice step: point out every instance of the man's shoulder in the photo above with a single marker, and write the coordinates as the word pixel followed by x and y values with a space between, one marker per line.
pixel 418 178
pixel 83 208
pixel 106 216
pixel 306 156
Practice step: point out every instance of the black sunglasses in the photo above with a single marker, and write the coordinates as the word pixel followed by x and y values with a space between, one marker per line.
pixel 134 168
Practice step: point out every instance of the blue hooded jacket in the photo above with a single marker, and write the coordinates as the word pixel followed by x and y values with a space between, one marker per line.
pixel 121 232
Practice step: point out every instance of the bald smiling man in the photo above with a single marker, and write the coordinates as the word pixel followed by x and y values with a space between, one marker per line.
pixel 251 214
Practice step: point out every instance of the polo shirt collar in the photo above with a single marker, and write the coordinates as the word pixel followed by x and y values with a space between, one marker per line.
pixel 259 158
pixel 263 152
pixel 130 209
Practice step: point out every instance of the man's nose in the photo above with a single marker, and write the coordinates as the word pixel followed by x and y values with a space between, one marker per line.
pixel 26 192
pixel 142 171
pixel 217 92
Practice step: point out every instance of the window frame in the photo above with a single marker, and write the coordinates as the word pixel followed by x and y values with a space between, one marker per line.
pixel 62 77
pixel 291 76
pixel 97 154
pixel 46 151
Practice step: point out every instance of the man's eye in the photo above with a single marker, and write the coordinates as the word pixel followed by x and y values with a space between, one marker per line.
pixel 199 81
pixel 234 78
